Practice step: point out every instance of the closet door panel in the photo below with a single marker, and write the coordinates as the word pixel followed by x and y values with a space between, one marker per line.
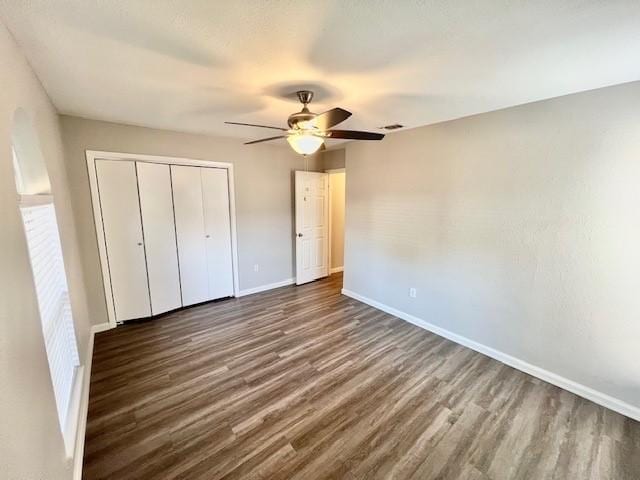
pixel 215 194
pixel 156 207
pixel 118 190
pixel 187 198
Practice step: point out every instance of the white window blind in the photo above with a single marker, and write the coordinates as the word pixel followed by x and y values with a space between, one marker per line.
pixel 45 251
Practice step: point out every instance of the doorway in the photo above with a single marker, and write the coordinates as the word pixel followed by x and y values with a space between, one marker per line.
pixel 337 182
pixel 320 218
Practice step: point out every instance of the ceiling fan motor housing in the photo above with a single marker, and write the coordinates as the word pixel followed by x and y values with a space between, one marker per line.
pixel 302 116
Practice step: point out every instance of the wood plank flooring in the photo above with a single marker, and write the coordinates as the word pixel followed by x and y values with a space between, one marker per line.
pixel 304 383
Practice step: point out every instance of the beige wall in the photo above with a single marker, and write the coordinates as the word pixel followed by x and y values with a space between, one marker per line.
pixel 263 185
pixel 336 186
pixel 519 228
pixel 31 445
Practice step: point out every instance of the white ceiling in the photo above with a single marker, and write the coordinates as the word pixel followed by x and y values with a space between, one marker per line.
pixel 189 66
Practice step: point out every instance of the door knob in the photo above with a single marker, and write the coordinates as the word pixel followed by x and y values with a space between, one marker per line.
pixel 299 234
pixel 207 236
pixel 139 244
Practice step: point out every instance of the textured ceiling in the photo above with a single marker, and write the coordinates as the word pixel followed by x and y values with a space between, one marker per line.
pixel 190 65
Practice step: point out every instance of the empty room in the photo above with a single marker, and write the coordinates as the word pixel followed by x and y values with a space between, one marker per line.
pixel 348 240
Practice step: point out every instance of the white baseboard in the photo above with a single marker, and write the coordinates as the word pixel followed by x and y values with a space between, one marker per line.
pixel 270 286
pixel 84 401
pixel 336 270
pixel 103 327
pixel 595 396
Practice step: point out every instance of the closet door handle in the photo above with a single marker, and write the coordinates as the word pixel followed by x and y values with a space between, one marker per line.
pixel 139 244
pixel 207 236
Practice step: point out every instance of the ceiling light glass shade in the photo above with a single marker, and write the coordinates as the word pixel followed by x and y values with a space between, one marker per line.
pixel 305 144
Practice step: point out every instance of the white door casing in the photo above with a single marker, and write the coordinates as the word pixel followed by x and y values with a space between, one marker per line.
pixel 123 237
pixel 217 226
pixel 312 226
pixel 156 208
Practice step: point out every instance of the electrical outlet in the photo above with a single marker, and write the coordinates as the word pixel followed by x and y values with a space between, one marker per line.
pixel 412 292
pixel 256 268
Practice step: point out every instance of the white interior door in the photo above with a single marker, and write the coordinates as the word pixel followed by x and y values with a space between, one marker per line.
pixel 190 233
pixel 312 226
pixel 217 226
pixel 124 241
pixel 156 207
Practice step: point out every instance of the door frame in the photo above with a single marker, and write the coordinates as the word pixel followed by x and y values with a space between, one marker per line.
pixel 93 155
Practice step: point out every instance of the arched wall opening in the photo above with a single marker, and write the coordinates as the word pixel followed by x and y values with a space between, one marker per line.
pixel 29 166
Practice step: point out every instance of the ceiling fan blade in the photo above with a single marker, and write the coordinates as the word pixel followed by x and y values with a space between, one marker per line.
pixel 354 135
pixel 332 117
pixel 254 125
pixel 265 139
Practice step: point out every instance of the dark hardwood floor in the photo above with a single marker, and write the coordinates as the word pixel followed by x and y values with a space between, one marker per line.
pixel 304 383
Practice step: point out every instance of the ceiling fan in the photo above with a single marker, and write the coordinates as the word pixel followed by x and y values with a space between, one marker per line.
pixel 307 130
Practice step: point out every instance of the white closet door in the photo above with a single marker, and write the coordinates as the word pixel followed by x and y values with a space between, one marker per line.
pixel 156 207
pixel 123 238
pixel 215 194
pixel 192 254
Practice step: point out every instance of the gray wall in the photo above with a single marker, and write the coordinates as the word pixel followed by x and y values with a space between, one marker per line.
pixel 519 228
pixel 333 159
pixel 263 185
pixel 31 444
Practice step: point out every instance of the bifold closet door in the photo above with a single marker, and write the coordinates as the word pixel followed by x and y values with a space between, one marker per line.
pixel 217 225
pixel 156 208
pixel 124 241
pixel 189 217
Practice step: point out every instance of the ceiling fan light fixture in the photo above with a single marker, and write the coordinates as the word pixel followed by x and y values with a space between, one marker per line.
pixel 307 130
pixel 305 143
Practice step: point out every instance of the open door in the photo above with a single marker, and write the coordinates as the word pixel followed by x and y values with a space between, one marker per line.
pixel 312 226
